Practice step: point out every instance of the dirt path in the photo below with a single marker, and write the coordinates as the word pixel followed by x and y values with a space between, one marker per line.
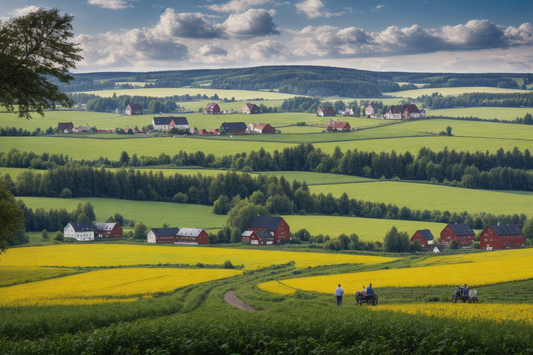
pixel 233 300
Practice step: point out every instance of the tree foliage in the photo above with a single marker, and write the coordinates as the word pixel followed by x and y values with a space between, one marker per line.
pixel 33 48
pixel 11 218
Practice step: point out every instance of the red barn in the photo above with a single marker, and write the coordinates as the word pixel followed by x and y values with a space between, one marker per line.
pixel 108 230
pixel 258 237
pixel 501 236
pixel 424 237
pixel 212 109
pixel 192 236
pixel 338 126
pixel 162 235
pixel 251 109
pixel 65 127
pixel 277 225
pixel 133 109
pixel 264 128
pixel 324 111
pixel 460 232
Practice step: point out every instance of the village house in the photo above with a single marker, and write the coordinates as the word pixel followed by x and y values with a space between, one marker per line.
pixel 65 127
pixel 262 128
pixel 372 110
pixel 276 225
pixel 250 128
pixel 251 109
pixel 348 112
pixel 133 109
pixel 424 237
pixel 84 129
pixel 79 231
pixel 108 230
pixel 203 132
pixel 192 236
pixel 501 236
pixel 394 112
pixel 162 235
pixel 212 109
pixel 460 232
pixel 411 111
pixel 166 123
pixel 257 237
pixel 338 126
pixel 234 127
pixel 324 111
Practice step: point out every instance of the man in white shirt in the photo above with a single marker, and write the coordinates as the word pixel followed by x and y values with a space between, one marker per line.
pixel 339 292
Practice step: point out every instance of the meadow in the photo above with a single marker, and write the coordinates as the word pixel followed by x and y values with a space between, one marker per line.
pixel 16 275
pixel 446 91
pixel 434 197
pixel 485 113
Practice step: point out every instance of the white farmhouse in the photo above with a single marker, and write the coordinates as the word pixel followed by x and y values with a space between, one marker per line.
pixel 79 231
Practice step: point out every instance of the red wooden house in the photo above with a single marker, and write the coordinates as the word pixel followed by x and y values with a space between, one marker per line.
pixel 257 237
pixel 501 236
pixel 192 236
pixel 162 235
pixel 338 126
pixel 212 109
pixel 108 230
pixel 324 111
pixel 65 127
pixel 133 109
pixel 424 237
pixel 264 128
pixel 460 232
pixel 251 109
pixel 277 225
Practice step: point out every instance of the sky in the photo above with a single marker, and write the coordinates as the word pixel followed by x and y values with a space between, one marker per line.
pixel 464 36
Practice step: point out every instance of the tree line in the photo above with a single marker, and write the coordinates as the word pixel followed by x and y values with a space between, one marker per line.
pixel 477 99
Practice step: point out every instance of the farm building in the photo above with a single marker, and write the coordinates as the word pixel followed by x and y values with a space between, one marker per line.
pixel 203 131
pixel 424 237
pixel 192 236
pixel 129 131
pixel 371 110
pixel 257 237
pixel 233 127
pixel 324 111
pixel 133 109
pixel 65 127
pixel 213 132
pixel 108 230
pixel 81 129
pixel 501 236
pixel 251 128
pixel 348 112
pixel 166 123
pixel 251 109
pixel 212 109
pixel 264 128
pixel 411 111
pixel 394 112
pixel 79 231
pixel 460 232
pixel 162 235
pixel 193 131
pixel 338 126
pixel 276 225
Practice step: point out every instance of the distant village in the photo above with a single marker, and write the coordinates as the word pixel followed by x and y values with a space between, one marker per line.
pixel 180 124
pixel 263 230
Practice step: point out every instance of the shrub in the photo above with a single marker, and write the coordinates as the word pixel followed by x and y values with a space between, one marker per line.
pixel 227 265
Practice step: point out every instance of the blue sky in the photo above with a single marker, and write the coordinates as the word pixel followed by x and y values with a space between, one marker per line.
pixel 381 35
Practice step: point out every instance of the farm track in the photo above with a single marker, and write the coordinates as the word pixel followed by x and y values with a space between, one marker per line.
pixel 230 298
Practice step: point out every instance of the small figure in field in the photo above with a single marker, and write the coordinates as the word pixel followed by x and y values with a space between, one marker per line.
pixel 363 292
pixel 369 290
pixel 339 292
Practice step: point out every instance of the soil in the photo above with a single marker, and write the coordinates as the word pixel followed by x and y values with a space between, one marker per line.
pixel 233 300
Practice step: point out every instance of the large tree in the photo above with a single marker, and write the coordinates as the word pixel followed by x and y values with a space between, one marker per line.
pixel 34 48
pixel 11 217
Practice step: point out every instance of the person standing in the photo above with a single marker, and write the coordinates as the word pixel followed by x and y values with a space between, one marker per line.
pixel 339 292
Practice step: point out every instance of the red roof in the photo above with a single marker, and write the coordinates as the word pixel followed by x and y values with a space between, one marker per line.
pixel 342 124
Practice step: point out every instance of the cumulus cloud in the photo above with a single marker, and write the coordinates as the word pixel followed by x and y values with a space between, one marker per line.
pixel 313 9
pixel 186 25
pixel 236 6
pixel 110 4
pixel 209 50
pixel 23 11
pixel 476 34
pixel 252 23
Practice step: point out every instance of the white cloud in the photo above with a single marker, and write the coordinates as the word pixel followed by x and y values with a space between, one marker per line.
pixel 236 6
pixel 23 11
pixel 209 50
pixel 252 23
pixel 377 8
pixel 313 9
pixel 110 4
pixel 186 25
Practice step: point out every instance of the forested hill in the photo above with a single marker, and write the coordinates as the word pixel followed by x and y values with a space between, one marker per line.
pixel 298 80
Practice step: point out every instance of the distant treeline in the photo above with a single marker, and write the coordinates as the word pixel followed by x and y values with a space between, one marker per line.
pixel 223 191
pixel 527 119
pixel 477 99
pixel 491 80
pixel 14 132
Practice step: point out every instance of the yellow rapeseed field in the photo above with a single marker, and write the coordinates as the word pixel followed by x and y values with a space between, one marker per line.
pixel 465 311
pixel 474 274
pixel 276 287
pixel 104 255
pixel 107 286
pixel 17 275
pixel 477 257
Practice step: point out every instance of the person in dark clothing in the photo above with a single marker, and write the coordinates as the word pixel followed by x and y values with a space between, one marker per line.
pixel 339 292
pixel 369 290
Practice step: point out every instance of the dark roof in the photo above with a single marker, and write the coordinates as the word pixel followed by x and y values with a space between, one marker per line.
pixel 395 109
pixel 65 125
pixel 327 109
pixel 164 231
pixel 165 121
pixel 461 229
pixel 264 234
pixel 503 229
pixel 135 106
pixel 83 227
pixel 105 226
pixel 270 223
pixel 426 233
pixel 411 108
pixel 233 126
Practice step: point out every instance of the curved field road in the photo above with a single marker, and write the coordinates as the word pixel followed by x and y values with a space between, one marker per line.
pixel 233 300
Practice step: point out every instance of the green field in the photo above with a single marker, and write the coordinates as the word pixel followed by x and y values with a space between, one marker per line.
pixel 434 197
pixel 452 91
pixel 153 214
pixel 485 113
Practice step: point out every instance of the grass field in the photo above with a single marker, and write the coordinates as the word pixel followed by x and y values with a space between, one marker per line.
pixel 17 275
pixel 434 197
pixel 153 214
pixel 452 91
pixel 485 113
